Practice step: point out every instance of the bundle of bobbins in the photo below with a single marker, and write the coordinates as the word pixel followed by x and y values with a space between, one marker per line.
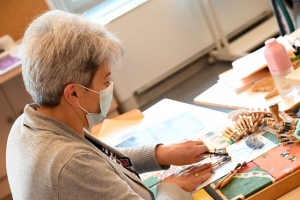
pixel 245 123
pixel 222 183
pixel 284 131
pixel 248 121
pixel 216 152
pixel 221 161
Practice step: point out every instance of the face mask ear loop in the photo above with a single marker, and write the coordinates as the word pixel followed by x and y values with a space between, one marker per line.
pixel 84 109
pixel 88 88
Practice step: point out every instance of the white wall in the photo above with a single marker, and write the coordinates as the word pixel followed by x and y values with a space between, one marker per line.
pixel 161 34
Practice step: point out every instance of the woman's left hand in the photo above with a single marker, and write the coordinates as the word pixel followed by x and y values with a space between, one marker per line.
pixel 182 153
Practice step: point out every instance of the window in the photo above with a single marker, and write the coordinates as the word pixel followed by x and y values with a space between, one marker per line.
pixel 103 11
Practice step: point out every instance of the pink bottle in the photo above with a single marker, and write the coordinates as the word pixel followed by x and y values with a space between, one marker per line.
pixel 280 66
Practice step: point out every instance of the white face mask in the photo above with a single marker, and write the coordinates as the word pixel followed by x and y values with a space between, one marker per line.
pixel 105 101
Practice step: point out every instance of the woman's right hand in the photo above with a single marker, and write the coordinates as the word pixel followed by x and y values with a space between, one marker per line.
pixel 189 178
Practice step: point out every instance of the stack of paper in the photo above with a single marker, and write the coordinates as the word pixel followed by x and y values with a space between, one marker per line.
pixel 230 78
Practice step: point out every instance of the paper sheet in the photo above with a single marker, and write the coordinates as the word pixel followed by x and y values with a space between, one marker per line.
pixel 113 132
pixel 175 129
pixel 129 133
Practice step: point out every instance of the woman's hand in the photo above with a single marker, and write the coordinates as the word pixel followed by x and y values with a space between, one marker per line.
pixel 182 153
pixel 189 178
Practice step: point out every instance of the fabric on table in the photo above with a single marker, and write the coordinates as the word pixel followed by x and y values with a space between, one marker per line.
pixel 245 183
pixel 281 161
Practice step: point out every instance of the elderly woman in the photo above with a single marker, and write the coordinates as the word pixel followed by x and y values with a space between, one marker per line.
pixel 67 62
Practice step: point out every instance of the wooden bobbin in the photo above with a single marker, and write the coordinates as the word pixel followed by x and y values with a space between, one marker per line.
pixel 242 121
pixel 240 125
pixel 291 142
pixel 254 128
pixel 238 138
pixel 228 179
pixel 230 131
pixel 250 120
pixel 222 160
pixel 246 120
pixel 225 134
pixel 274 109
pixel 220 182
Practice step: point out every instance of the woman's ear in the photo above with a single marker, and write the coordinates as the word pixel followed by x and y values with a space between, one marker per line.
pixel 71 94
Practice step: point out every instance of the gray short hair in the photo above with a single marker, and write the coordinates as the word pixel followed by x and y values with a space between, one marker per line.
pixel 61 48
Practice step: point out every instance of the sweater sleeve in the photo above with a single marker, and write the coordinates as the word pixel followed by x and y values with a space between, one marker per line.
pixel 143 158
pixel 88 176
